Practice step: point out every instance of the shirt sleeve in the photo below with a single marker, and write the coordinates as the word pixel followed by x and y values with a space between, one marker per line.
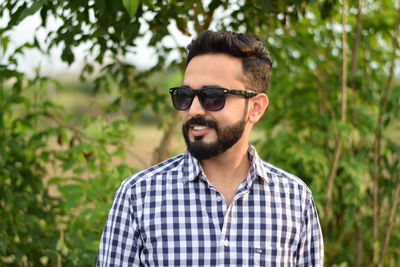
pixel 311 247
pixel 120 241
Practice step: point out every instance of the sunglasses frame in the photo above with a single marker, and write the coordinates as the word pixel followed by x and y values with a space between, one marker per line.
pixel 198 92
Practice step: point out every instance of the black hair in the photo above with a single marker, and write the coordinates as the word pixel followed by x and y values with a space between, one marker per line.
pixel 256 60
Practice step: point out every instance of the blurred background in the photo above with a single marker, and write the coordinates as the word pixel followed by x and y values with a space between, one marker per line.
pixel 84 104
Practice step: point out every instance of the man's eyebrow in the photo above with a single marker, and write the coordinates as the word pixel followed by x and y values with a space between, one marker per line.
pixel 211 85
pixel 203 87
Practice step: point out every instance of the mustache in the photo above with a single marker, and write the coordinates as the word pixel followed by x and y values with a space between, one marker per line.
pixel 200 121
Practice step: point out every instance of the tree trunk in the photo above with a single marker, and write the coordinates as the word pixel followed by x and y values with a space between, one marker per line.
pixel 395 202
pixel 339 147
pixel 163 151
pixel 356 46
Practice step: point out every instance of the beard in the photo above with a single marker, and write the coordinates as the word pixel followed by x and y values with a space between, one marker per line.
pixel 226 137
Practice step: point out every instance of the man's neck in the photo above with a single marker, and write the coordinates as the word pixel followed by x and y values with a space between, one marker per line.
pixel 228 170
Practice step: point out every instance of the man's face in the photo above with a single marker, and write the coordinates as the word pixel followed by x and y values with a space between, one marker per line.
pixel 211 133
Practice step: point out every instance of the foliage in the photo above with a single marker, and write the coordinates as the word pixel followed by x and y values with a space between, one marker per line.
pixel 28 213
pixel 334 99
pixel 39 227
pixel 95 173
pixel 334 141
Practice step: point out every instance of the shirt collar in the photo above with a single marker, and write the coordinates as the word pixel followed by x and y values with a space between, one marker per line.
pixel 192 168
pixel 258 168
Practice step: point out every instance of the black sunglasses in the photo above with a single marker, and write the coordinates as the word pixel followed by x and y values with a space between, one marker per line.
pixel 212 98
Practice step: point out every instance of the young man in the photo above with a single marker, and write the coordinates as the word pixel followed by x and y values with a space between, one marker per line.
pixel 218 204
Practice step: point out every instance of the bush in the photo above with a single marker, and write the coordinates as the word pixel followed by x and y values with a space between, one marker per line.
pixel 36 142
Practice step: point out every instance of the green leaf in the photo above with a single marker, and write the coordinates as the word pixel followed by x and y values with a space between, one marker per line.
pixel 150 4
pixel 56 180
pixel 131 6
pixel 4 43
pixel 266 6
pixel 28 12
pixel 101 5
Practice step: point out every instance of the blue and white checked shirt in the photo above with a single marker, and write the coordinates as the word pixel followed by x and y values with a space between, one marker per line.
pixel 170 215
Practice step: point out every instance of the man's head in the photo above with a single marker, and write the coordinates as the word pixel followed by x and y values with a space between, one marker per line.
pixel 255 58
pixel 223 92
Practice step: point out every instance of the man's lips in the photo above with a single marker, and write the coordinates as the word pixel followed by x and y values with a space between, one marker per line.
pixel 199 130
pixel 198 126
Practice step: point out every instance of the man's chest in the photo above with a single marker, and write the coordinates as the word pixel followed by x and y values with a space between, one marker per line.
pixel 191 226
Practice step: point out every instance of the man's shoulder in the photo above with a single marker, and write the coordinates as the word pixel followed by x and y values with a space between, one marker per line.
pixel 279 176
pixel 160 169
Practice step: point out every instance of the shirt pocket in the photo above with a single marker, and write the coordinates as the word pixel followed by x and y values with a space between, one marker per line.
pixel 272 255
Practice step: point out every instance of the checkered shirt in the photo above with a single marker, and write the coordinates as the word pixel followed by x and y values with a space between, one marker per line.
pixel 170 215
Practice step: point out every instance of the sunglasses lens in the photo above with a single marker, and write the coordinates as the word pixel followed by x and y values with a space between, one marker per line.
pixel 182 98
pixel 212 99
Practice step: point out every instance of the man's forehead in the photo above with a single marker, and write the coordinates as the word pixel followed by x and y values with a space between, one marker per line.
pixel 213 69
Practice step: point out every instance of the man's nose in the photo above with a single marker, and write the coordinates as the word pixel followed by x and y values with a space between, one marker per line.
pixel 196 109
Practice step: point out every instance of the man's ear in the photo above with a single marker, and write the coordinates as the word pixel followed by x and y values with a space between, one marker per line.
pixel 259 104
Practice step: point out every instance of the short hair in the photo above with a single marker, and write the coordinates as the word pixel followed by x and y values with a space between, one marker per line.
pixel 256 60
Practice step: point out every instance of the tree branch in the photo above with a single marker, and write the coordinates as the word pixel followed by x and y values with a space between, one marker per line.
pixel 390 222
pixel 339 147
pixel 359 241
pixel 354 53
pixel 331 178
pixel 203 25
pixel 344 63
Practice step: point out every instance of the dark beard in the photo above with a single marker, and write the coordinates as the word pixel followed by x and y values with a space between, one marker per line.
pixel 226 138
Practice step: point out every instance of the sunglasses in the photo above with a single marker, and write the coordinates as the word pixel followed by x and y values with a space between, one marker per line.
pixel 212 98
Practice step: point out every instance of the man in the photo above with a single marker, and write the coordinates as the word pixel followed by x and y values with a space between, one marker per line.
pixel 218 204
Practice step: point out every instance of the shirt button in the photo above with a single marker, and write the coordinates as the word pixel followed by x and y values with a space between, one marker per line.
pixel 226 243
pixel 219 198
